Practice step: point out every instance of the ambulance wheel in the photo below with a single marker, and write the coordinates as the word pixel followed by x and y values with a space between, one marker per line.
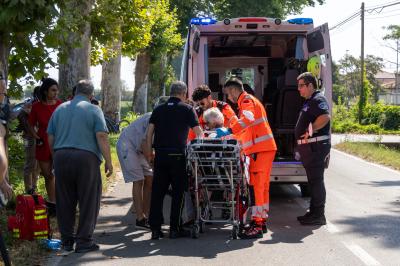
pixel 305 190
pixel 195 231
pixel 235 232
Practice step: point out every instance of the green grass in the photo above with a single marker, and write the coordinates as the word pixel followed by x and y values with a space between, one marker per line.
pixel 373 152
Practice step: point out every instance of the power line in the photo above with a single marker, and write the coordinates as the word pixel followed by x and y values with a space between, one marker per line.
pixel 393 15
pixel 345 20
pixel 369 10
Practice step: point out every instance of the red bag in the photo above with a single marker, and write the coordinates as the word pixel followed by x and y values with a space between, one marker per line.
pixel 31 220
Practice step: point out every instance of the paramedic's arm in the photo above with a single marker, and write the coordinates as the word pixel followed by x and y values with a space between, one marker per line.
pixel 148 151
pixel 4 186
pixel 198 131
pixel 102 141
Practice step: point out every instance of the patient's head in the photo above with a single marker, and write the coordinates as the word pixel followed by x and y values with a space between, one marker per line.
pixel 213 118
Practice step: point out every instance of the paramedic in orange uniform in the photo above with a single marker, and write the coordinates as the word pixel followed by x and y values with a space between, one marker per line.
pixel 202 97
pixel 258 144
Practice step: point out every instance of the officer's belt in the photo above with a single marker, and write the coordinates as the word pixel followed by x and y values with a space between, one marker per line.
pixel 310 140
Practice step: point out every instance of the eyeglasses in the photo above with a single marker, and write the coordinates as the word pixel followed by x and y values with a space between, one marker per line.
pixel 302 84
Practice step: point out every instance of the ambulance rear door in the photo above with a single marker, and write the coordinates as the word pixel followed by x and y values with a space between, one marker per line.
pixel 318 44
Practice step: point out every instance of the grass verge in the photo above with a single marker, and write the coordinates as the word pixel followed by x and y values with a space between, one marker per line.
pixel 373 152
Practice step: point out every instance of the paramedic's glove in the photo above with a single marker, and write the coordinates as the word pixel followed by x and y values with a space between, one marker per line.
pixel 223 131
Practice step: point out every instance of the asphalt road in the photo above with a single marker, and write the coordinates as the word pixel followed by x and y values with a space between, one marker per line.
pixel 363 209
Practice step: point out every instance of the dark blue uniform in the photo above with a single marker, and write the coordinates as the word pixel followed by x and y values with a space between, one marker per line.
pixel 172 122
pixel 314 152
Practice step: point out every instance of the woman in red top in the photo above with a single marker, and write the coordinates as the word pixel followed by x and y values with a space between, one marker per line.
pixel 39 118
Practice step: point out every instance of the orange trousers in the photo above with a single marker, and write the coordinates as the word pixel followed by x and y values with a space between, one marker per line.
pixel 260 170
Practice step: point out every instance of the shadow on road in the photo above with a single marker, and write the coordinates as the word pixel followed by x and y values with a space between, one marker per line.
pixel 383 183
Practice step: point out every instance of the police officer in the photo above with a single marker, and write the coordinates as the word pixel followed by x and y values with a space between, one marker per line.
pixel 170 124
pixel 313 139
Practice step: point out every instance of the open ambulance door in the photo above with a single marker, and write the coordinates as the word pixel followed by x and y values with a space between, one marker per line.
pixel 318 44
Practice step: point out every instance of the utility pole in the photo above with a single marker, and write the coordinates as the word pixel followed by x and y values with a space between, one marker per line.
pixel 396 76
pixel 361 103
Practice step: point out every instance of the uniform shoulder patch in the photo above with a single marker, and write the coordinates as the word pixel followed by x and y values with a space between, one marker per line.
pixel 323 106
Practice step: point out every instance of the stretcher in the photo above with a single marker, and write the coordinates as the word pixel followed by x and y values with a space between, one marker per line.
pixel 219 184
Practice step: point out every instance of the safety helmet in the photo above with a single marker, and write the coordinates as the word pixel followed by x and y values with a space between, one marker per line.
pixel 314 66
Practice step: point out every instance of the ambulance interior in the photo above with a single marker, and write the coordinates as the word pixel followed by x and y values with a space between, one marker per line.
pixel 267 64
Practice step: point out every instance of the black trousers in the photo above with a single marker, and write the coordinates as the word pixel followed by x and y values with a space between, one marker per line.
pixel 78 181
pixel 169 169
pixel 313 157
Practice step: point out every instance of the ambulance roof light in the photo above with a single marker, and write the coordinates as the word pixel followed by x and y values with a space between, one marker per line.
pixel 202 21
pixel 301 21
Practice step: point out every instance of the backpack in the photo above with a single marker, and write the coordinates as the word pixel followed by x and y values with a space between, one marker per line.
pixel 31 220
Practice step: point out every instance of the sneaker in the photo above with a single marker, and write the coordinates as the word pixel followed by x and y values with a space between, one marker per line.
pixel 68 245
pixel 93 247
pixel 299 218
pixel 314 220
pixel 252 232
pixel 144 223
pixel 157 234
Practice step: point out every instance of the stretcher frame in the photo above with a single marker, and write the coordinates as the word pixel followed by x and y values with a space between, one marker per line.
pixel 216 165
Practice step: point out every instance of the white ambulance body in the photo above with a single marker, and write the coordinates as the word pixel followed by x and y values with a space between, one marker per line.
pixel 267 54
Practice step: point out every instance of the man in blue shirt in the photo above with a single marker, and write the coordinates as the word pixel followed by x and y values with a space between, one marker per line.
pixel 78 138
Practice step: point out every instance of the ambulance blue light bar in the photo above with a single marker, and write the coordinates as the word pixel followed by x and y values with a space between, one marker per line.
pixel 202 21
pixel 301 21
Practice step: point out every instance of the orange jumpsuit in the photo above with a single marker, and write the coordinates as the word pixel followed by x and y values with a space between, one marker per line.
pixel 225 109
pixel 258 143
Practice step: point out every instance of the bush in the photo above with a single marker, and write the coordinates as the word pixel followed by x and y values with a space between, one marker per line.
pixel 386 116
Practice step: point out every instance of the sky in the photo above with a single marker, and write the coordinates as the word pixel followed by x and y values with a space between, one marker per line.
pixel 345 39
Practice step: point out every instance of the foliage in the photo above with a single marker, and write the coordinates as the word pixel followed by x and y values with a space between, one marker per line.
pixel 264 8
pixel 132 20
pixel 378 119
pixel 347 73
pixel 23 27
pixel 394 33
pixel 363 100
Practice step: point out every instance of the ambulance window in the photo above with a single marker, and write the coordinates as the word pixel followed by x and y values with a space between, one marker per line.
pixel 245 74
pixel 315 41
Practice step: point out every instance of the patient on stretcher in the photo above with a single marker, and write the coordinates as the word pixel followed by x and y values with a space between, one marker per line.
pixel 215 122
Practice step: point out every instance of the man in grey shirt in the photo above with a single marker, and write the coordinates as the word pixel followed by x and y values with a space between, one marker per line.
pixel 78 138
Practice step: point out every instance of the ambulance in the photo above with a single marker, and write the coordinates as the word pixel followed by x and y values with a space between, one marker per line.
pixel 267 54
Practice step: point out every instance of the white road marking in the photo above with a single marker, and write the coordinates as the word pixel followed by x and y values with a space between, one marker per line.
pixel 362 254
pixel 364 161
pixel 154 251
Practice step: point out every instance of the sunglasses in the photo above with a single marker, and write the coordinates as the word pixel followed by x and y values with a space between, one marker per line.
pixel 302 84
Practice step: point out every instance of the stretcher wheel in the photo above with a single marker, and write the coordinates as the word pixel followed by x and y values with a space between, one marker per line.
pixel 235 232
pixel 195 231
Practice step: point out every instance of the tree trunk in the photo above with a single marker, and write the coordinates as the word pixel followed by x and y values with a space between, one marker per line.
pixel 111 84
pixel 4 54
pixel 141 83
pixel 76 65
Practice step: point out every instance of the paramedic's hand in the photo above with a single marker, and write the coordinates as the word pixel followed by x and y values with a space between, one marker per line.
pixel 223 131
pixel 6 189
pixel 108 168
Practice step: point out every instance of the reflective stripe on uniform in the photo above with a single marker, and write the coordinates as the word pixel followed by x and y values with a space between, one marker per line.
pixel 257 140
pixel 40 211
pixel 40 233
pixel 315 139
pixel 40 217
pixel 242 124
pixel 259 121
